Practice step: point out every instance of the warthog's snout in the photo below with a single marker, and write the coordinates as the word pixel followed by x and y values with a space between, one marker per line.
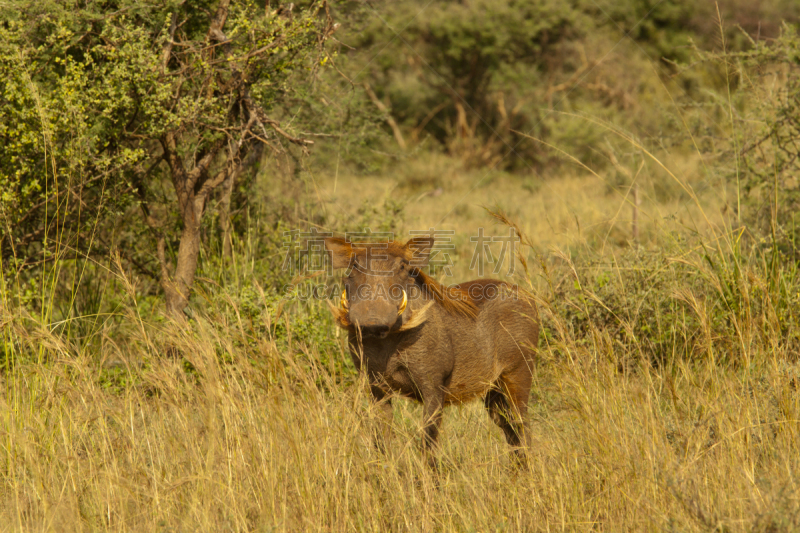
pixel 374 317
pixel 379 331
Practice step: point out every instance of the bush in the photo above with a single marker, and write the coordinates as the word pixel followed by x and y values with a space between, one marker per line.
pixel 668 306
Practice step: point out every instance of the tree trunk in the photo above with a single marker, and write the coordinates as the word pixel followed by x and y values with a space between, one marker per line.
pixel 178 286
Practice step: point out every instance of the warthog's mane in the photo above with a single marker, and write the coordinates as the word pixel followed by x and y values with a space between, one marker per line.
pixel 454 300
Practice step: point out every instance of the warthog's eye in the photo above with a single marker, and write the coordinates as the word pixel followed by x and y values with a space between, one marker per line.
pixel 402 268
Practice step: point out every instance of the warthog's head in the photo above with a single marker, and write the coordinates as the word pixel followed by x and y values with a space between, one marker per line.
pixel 381 281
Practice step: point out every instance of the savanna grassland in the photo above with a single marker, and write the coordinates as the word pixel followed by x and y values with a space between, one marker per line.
pixel 645 154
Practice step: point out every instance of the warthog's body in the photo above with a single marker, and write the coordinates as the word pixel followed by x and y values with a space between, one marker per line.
pixel 447 345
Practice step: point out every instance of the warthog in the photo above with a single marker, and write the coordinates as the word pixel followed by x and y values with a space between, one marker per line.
pixel 435 344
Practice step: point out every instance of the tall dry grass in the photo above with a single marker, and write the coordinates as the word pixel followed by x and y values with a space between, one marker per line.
pixel 210 437
pixel 665 396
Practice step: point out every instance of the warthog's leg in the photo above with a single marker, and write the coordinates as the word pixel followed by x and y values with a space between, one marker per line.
pixel 499 409
pixel 383 431
pixel 507 403
pixel 433 401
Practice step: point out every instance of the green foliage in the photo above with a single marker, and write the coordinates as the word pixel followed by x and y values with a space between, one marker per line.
pixel 463 72
pixel 663 28
pixel 662 308
pixel 288 321
pixel 467 77
pixel 92 90
pixel 385 218
pixel 769 180
pixel 87 101
pixel 57 171
pixel 116 378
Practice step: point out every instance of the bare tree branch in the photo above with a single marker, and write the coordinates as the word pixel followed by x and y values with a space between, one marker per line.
pixel 203 164
pixel 387 116
pixel 166 53
pixel 233 163
pixel 277 127
pixel 215 30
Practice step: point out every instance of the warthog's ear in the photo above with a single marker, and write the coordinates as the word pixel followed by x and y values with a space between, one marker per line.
pixel 418 251
pixel 340 250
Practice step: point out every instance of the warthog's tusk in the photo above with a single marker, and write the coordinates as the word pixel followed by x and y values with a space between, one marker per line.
pixel 344 299
pixel 403 304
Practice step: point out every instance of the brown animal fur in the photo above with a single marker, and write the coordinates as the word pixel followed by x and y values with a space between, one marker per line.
pixel 449 345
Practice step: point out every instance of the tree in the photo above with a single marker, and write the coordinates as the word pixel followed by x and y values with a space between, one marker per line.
pixel 104 102
pixel 469 74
